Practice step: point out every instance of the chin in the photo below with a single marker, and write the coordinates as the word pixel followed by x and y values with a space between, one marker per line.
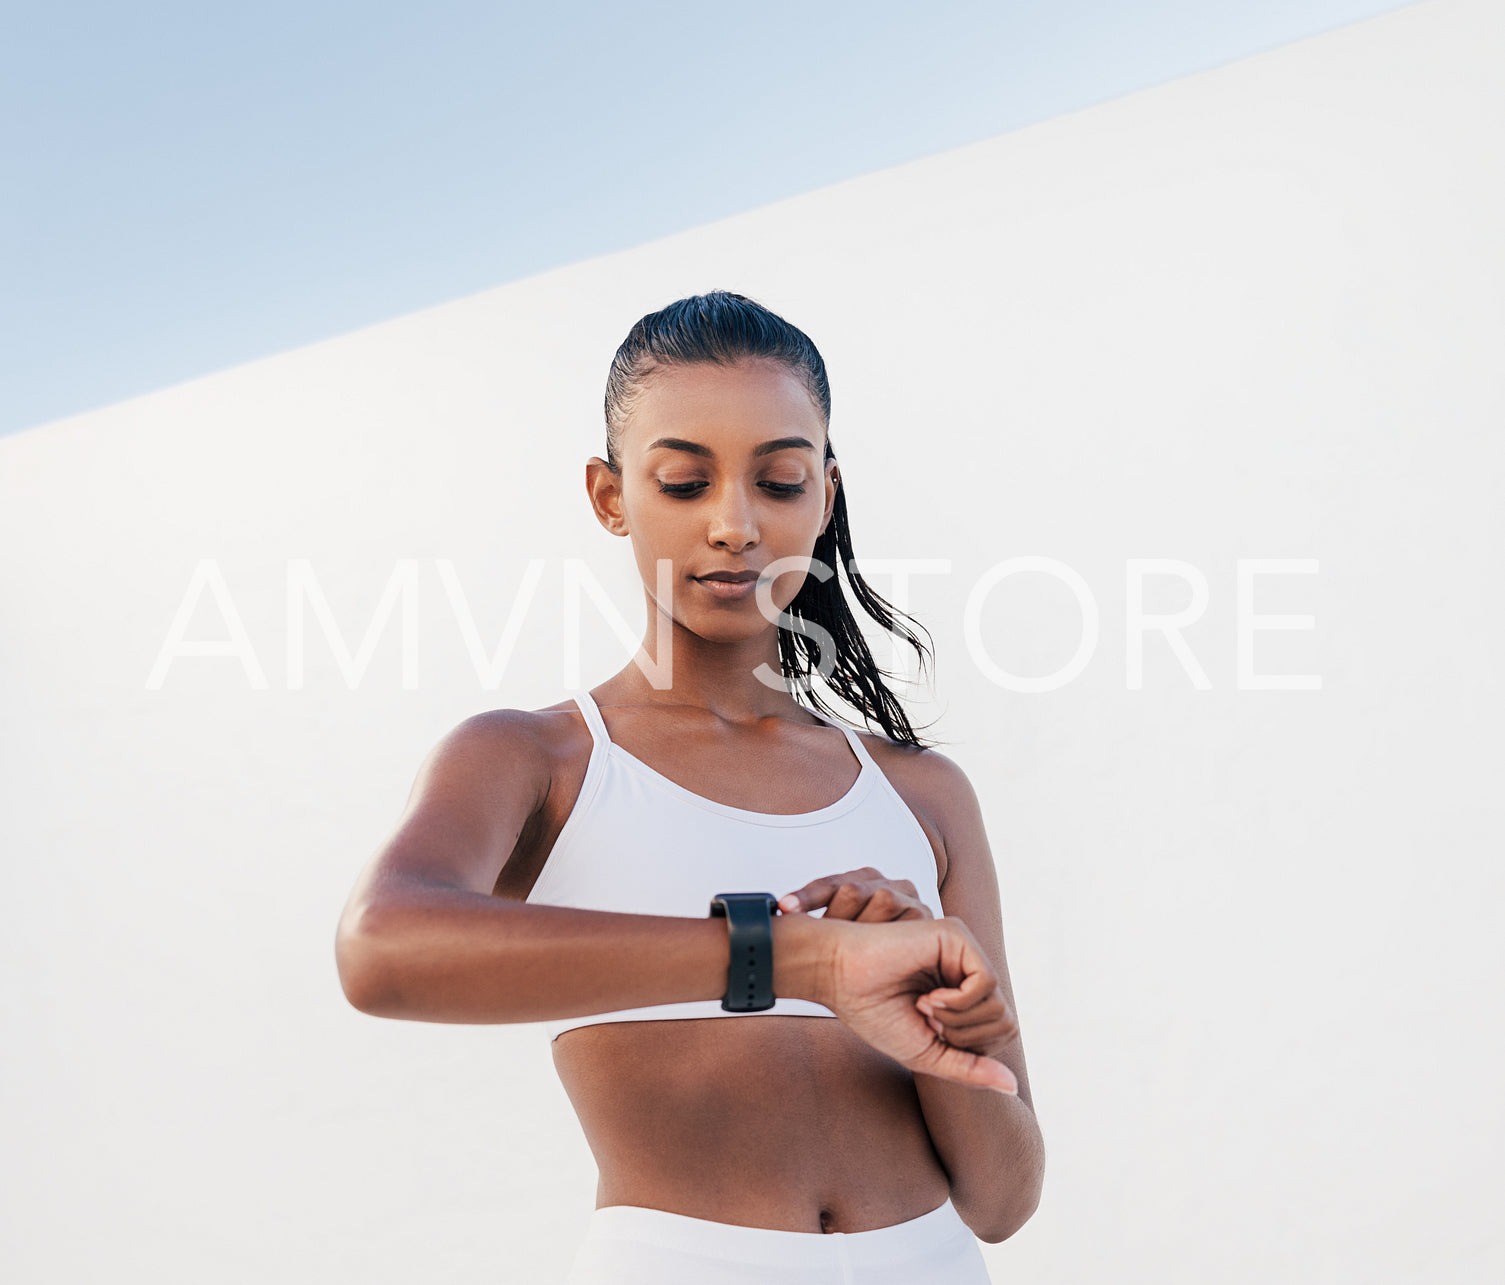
pixel 727 627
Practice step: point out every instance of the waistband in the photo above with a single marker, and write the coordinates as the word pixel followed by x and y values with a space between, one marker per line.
pixel 916 1238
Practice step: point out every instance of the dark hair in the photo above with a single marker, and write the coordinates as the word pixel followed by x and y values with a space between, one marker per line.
pixel 722 328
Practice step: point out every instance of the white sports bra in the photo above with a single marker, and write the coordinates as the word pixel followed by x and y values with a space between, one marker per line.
pixel 638 843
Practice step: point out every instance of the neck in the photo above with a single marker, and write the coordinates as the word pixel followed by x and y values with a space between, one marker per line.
pixel 721 676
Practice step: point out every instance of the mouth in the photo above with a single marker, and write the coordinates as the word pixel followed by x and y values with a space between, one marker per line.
pixel 730 586
pixel 730 577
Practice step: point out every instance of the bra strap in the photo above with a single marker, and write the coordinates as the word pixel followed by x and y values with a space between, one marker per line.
pixel 855 741
pixel 859 749
pixel 593 719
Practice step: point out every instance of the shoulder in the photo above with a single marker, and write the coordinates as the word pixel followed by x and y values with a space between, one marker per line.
pixel 934 786
pixel 521 727
pixel 498 729
pixel 527 743
pixel 927 771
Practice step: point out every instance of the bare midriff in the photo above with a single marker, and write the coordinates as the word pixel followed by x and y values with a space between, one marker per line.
pixel 784 1122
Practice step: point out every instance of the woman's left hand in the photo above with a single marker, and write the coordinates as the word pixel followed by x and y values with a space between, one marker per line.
pixel 866 896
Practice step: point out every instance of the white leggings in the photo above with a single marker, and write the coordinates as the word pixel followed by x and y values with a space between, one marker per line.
pixel 630 1245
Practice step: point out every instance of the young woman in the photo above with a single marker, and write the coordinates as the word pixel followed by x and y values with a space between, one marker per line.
pixel 559 865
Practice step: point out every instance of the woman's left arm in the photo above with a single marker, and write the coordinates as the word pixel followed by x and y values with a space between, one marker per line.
pixel 990 1143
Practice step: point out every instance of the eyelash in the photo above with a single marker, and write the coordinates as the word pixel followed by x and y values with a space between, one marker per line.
pixel 685 489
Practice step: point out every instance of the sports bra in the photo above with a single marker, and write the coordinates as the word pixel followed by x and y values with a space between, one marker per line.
pixel 638 843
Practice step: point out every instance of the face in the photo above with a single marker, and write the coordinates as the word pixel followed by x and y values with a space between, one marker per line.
pixel 721 471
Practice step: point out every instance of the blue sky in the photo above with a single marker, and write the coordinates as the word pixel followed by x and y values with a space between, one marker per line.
pixel 188 187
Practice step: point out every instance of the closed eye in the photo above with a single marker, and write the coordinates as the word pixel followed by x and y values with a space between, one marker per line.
pixel 685 490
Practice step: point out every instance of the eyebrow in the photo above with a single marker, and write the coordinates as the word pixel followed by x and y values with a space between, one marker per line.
pixel 764 448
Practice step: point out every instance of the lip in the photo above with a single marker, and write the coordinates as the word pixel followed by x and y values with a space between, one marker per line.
pixel 730 590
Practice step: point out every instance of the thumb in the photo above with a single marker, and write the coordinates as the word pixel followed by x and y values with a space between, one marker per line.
pixel 951 1063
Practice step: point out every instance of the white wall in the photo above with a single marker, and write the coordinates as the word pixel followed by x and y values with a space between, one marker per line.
pixel 1251 314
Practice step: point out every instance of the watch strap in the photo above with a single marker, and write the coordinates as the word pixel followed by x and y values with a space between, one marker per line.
pixel 749 972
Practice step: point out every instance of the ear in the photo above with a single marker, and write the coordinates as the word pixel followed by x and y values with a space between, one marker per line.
pixel 833 481
pixel 605 490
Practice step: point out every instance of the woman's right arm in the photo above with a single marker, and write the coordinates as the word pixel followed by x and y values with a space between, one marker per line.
pixel 422 936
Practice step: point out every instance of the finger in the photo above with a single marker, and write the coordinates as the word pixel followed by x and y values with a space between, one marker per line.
pixel 952 1016
pixel 930 1017
pixel 983 1035
pixel 984 1038
pixel 960 1020
pixel 850 898
pixel 956 1000
pixel 993 1012
pixel 816 893
pixel 990 1034
pixel 963 1026
pixel 883 903
pixel 974 990
pixel 869 901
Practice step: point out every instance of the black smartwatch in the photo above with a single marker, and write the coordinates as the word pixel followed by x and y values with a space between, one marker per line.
pixel 749 972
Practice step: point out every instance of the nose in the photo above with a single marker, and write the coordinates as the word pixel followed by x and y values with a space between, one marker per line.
pixel 732 525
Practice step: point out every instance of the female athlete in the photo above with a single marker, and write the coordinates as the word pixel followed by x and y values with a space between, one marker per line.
pixel 558 865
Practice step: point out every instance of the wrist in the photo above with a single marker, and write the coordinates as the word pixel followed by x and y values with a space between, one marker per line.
pixel 804 957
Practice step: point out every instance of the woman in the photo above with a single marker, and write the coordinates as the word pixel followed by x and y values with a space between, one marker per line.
pixel 559 865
